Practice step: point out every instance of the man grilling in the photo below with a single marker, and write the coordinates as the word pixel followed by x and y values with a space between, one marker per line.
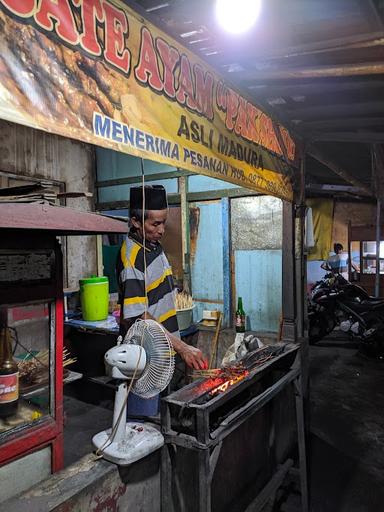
pixel 142 264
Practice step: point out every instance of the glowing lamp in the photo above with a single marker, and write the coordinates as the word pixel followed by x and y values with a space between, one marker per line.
pixel 237 16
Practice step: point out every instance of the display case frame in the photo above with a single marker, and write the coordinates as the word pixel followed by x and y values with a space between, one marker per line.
pixel 47 431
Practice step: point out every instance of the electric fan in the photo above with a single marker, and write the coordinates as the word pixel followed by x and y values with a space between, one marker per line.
pixel 146 356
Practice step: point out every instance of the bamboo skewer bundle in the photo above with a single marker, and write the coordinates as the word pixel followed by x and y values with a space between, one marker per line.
pixel 36 368
pixel 67 359
pixel 183 301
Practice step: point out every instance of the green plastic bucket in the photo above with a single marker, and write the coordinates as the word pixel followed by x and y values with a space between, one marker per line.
pixel 94 297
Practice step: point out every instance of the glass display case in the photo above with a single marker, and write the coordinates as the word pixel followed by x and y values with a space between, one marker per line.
pixel 31 316
pixel 32 312
pixel 31 339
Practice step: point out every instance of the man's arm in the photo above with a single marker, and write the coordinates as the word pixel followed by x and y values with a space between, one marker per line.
pixel 192 356
pixel 325 265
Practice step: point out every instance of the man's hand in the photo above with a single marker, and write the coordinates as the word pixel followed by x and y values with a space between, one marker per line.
pixel 192 356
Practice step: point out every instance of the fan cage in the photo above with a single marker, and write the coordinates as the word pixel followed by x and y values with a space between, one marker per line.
pixel 160 360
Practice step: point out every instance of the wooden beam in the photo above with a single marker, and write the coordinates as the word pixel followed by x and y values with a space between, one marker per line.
pixel 236 53
pixel 281 142
pixel 331 111
pixel 359 137
pixel 278 73
pixel 191 196
pixel 328 48
pixel 318 155
pixel 373 14
pixel 310 88
pixel 341 122
pixel 332 189
pixel 129 180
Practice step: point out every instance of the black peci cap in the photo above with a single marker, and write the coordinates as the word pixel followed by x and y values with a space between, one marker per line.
pixel 155 198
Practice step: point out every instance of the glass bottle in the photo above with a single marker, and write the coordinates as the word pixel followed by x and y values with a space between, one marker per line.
pixel 9 376
pixel 240 316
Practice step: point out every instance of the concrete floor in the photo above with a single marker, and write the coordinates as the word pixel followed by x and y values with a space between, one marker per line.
pixel 347 429
pixel 81 422
pixel 346 443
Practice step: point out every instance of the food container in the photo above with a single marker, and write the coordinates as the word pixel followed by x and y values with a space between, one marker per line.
pixel 184 318
pixel 209 314
pixel 94 297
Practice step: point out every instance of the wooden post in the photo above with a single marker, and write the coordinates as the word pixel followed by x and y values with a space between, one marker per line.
pixel 378 181
pixel 378 237
pixel 301 444
pixel 183 190
pixel 227 250
pixel 300 279
pixel 204 477
pixel 288 286
pixel 99 255
pixel 299 249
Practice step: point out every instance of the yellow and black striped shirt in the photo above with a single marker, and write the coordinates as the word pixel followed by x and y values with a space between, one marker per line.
pixel 159 283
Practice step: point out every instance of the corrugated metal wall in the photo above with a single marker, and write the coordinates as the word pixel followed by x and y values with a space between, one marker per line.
pixel 244 232
pixel 258 282
pixel 206 256
pixel 256 231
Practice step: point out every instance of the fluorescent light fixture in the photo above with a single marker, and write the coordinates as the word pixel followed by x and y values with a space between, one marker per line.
pixel 237 16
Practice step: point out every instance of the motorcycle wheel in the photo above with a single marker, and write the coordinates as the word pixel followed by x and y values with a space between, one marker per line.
pixel 320 325
pixel 373 347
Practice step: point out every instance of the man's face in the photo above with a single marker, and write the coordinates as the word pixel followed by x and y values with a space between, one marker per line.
pixel 154 225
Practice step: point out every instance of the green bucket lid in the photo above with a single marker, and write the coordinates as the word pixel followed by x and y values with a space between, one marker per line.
pixel 93 280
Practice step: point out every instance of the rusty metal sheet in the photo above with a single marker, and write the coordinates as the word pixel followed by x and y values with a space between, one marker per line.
pixel 58 219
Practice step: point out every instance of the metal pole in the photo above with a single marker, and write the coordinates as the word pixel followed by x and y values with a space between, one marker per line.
pixel 378 236
pixel 299 249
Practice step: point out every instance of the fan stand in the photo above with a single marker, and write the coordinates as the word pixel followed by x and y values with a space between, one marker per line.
pixel 131 441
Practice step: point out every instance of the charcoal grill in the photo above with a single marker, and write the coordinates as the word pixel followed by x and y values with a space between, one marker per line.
pixel 219 426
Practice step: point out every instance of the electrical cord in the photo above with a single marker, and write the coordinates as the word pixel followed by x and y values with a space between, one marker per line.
pixel 109 440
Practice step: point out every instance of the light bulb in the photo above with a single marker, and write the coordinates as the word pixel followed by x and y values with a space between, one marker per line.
pixel 237 16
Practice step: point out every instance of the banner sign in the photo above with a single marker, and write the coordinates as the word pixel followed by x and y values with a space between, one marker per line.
pixel 96 71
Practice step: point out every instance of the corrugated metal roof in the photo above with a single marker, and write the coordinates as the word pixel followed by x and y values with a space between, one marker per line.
pixel 58 219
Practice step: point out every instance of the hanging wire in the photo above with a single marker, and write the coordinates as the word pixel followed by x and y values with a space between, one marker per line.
pixel 109 440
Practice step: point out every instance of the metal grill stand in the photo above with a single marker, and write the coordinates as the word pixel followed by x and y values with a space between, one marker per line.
pixel 190 460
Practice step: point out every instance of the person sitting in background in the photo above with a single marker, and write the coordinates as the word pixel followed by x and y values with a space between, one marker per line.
pixel 338 262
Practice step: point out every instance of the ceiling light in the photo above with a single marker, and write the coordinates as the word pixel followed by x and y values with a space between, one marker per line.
pixel 237 16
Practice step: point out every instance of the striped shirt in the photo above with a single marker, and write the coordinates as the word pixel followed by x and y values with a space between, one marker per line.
pixel 338 263
pixel 159 283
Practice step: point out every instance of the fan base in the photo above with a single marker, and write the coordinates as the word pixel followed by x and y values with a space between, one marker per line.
pixel 139 440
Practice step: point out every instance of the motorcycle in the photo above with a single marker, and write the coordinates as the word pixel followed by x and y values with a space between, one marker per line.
pixel 334 301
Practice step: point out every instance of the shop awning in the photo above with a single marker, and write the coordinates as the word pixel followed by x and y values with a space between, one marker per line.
pixel 58 219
